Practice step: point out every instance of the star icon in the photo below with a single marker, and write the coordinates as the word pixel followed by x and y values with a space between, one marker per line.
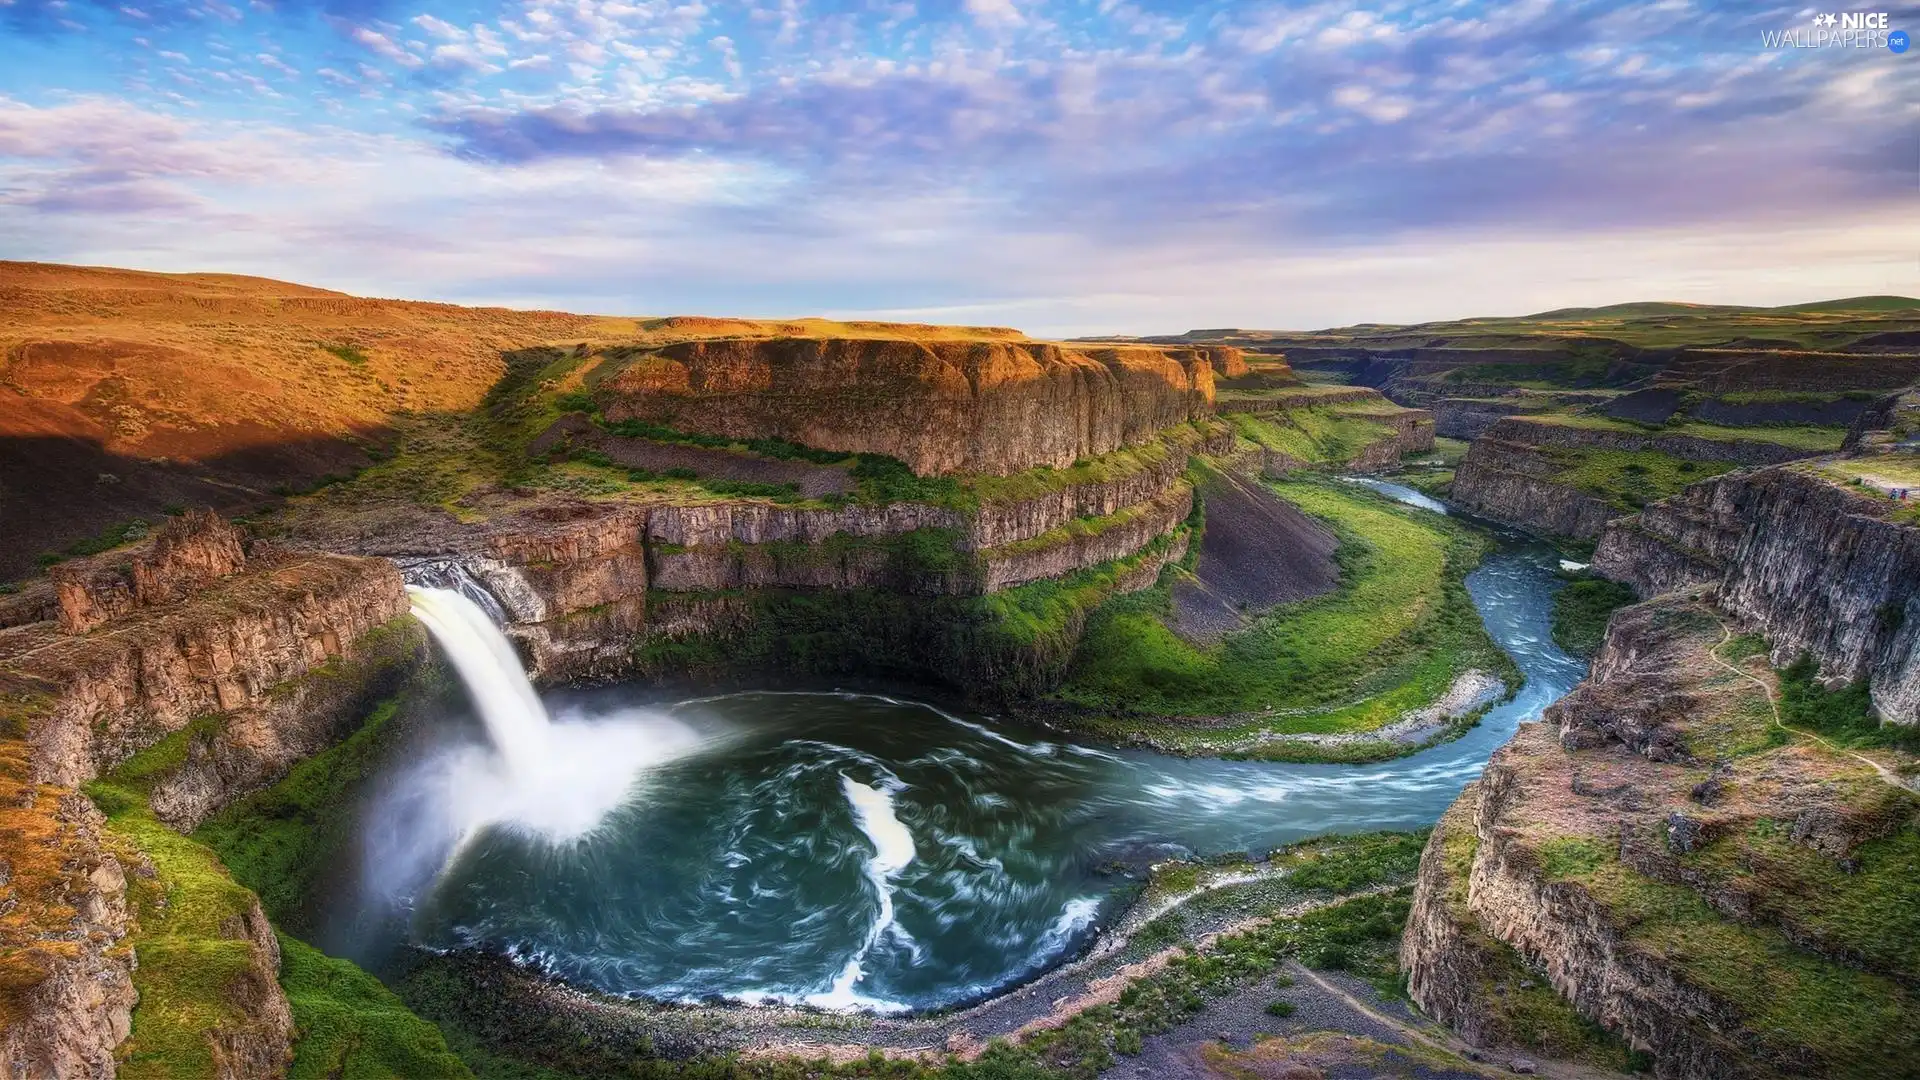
pixel 1829 18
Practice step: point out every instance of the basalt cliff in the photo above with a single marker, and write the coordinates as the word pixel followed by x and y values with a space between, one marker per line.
pixel 216 664
pixel 1567 479
pixel 992 407
pixel 1701 852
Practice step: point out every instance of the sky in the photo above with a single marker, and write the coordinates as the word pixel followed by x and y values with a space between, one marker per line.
pixel 1064 166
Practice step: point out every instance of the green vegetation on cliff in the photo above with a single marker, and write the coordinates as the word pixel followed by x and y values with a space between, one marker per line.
pixel 199 977
pixel 1629 479
pixel 1328 435
pixel 1792 1002
pixel 1392 638
pixel 274 841
pixel 350 1025
pixel 1581 610
pixel 1811 438
pixel 1514 1003
pixel 202 974
pixel 1007 645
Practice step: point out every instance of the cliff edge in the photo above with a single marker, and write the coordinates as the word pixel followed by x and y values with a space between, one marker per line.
pixel 978 406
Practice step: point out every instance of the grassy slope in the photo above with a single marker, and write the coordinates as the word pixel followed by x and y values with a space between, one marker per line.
pixel 1392 638
pixel 1317 435
pixel 346 1023
pixel 1825 950
pixel 1581 611
pixel 1812 438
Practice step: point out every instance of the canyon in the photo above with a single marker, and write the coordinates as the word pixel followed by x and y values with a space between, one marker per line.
pixel 1664 835
pixel 1150 544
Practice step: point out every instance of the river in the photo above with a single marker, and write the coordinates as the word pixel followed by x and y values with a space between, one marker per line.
pixel 855 850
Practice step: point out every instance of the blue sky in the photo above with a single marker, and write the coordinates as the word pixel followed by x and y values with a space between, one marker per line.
pixel 1065 166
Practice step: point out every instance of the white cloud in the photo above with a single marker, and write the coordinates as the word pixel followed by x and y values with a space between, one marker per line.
pixel 1377 107
pixel 443 30
pixel 385 47
pixel 995 12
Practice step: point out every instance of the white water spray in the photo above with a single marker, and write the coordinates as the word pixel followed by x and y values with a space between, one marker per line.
pixel 892 850
pixel 516 720
pixel 555 781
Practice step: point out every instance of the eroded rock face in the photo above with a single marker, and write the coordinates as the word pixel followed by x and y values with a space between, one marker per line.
pixel 1512 481
pixel 262 1045
pixel 1645 834
pixel 574 576
pixel 190 553
pixel 69 999
pixel 994 407
pixel 116 690
pixel 1510 471
pixel 1817 568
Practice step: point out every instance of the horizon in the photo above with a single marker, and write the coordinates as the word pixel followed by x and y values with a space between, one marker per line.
pixel 1065 167
pixel 1910 301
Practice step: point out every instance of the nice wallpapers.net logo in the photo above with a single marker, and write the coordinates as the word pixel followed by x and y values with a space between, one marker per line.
pixel 1847 30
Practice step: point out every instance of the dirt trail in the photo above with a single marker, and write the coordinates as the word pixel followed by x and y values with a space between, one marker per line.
pixel 1773 705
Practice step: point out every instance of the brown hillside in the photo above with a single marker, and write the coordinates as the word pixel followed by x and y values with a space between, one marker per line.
pixel 124 392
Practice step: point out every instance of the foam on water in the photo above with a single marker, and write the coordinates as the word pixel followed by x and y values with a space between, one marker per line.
pixel 554 781
pixel 893 850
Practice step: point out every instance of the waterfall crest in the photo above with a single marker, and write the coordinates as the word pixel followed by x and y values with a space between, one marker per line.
pixel 516 720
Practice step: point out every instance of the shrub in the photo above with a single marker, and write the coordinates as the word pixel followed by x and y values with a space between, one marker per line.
pixel 574 401
pixel 1581 610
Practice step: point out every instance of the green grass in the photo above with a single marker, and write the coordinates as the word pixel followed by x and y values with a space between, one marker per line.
pixel 1868 911
pixel 1550 373
pixel 1853 1023
pixel 197 973
pixel 274 841
pixel 1811 438
pixel 1077 528
pixel 1629 479
pixel 1793 397
pixel 195 970
pixel 113 536
pixel 1392 637
pixel 1581 610
pixel 1843 715
pixel 1517 1004
pixel 1330 435
pixel 1045 480
pixel 1571 856
pixel 350 1027
pixel 1004 646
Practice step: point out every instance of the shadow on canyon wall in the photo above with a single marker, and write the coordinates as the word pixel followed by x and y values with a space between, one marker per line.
pixel 61 490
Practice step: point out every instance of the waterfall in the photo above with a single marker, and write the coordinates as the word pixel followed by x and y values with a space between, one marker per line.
pixel 515 718
pixel 452 574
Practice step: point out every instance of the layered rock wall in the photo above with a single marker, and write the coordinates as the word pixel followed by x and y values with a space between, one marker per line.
pixel 68 997
pixel 1514 481
pixel 251 660
pixel 1685 447
pixel 1669 869
pixel 113 691
pixel 1470 418
pixel 1511 473
pixel 993 407
pixel 1817 568
pixel 1413 431
pixel 574 576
